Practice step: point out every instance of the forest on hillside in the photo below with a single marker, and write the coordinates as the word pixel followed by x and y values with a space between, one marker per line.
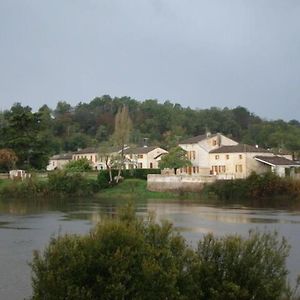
pixel 35 136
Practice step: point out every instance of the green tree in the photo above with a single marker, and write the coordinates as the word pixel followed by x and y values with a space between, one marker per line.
pixel 80 165
pixel 133 258
pixel 175 159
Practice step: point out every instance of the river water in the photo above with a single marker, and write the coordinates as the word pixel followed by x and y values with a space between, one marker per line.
pixel 26 226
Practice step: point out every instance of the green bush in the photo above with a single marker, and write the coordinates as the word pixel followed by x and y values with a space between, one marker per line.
pixel 130 258
pixel 80 165
pixel 71 183
pixel 255 186
pixel 139 173
pixel 30 187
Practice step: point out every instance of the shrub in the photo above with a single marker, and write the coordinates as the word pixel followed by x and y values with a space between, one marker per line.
pixel 139 173
pixel 130 258
pixel 71 183
pixel 255 186
pixel 80 165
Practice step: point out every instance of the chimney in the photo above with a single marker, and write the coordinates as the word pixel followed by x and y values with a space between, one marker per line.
pixel 145 144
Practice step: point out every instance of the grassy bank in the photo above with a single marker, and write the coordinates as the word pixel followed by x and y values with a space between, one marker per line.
pixel 134 188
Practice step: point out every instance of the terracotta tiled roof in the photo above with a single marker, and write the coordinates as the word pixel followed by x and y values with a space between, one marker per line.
pixel 276 161
pixel 196 139
pixel 240 148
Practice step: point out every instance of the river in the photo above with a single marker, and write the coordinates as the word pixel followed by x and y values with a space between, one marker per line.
pixel 26 226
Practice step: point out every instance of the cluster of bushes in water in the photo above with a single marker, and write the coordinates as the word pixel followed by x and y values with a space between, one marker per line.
pixel 255 186
pixel 68 182
pixel 131 258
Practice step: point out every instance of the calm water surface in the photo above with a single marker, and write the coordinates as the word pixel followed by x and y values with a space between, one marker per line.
pixel 25 227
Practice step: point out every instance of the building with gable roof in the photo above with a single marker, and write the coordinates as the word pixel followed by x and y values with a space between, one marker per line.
pixel 198 149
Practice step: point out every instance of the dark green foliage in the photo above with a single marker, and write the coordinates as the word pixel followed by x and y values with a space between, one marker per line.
pixel 71 183
pixel 34 137
pixel 139 173
pixel 255 186
pixel 130 258
pixel 175 159
pixel 104 180
pixel 80 165
pixel 28 188
pixel 236 268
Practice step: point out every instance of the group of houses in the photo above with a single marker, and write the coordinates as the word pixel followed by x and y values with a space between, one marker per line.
pixel 210 155
pixel 134 158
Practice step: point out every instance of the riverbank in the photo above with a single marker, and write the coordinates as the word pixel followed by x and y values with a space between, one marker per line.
pixel 267 187
pixel 134 188
pixel 77 185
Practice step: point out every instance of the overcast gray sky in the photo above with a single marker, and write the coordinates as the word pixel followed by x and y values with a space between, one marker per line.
pixel 193 52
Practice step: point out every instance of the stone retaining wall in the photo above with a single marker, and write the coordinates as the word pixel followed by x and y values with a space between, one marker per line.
pixel 177 183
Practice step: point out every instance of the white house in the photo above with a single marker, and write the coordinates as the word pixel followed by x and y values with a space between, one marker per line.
pixel 198 149
pixel 57 162
pixel 143 157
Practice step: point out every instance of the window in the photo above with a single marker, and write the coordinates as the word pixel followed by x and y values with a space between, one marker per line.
pixel 194 170
pixel 140 155
pixel 151 165
pixel 214 142
pixel 240 156
pixel 140 165
pixel 217 156
pixel 193 154
pixel 238 168
pixel 227 156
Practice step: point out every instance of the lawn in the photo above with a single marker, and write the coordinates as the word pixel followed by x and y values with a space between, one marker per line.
pixel 130 188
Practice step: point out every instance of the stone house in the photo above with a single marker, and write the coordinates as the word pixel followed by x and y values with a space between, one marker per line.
pixel 236 161
pixel 57 162
pixel 91 154
pixel 198 149
pixel 143 157
pixel 239 161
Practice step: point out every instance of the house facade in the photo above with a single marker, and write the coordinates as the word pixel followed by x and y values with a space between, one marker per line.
pixel 91 154
pixel 143 157
pixel 57 162
pixel 238 161
pixel 140 157
pixel 198 149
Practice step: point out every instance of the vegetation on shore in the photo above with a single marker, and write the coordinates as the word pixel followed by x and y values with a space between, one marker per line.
pixel 265 186
pixel 64 184
pixel 133 258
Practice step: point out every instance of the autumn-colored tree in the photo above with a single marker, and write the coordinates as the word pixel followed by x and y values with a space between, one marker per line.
pixel 8 158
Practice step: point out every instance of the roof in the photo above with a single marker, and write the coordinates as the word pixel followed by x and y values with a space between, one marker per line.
pixel 86 150
pixel 196 139
pixel 140 150
pixel 64 156
pixel 240 148
pixel 277 161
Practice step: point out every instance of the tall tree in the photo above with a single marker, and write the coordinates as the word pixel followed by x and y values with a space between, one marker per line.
pixel 123 127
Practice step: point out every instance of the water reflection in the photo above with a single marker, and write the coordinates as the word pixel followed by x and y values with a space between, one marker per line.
pixel 28 225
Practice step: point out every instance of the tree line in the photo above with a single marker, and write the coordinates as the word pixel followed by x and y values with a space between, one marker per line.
pixel 35 136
